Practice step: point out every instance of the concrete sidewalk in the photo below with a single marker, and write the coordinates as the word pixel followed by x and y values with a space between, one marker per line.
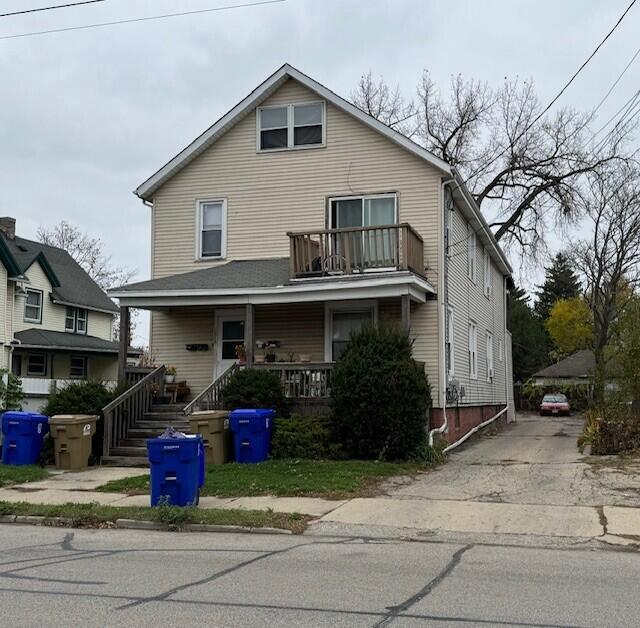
pixel 80 487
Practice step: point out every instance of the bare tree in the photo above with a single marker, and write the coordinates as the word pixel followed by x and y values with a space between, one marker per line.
pixel 525 170
pixel 88 252
pixel 609 258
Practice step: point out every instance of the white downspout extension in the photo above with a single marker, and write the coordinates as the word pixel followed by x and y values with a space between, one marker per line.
pixel 443 363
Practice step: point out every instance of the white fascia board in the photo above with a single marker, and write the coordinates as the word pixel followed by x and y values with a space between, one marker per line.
pixel 258 95
pixel 375 288
pixel 83 307
pixel 475 213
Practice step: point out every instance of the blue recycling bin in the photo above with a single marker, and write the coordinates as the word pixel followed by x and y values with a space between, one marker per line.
pixel 23 433
pixel 251 434
pixel 177 469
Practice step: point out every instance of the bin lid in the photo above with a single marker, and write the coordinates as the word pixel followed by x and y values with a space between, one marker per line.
pixel 252 413
pixel 71 419
pixel 15 415
pixel 209 414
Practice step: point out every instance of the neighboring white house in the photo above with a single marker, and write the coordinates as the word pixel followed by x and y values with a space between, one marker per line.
pixel 295 219
pixel 56 323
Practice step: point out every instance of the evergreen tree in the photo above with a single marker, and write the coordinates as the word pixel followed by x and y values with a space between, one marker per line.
pixel 560 282
pixel 529 337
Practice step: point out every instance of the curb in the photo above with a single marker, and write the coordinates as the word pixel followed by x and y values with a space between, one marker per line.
pixel 135 524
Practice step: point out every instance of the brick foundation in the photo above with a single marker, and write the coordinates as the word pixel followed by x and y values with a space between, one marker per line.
pixel 463 419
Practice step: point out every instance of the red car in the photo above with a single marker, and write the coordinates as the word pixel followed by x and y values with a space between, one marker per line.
pixel 555 404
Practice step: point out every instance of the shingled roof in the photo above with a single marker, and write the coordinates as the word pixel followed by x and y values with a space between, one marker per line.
pixel 71 285
pixel 578 365
pixel 44 339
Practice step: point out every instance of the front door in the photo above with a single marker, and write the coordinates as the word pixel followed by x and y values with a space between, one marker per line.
pixel 229 334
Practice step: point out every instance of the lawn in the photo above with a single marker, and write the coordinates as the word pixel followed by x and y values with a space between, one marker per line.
pixel 286 478
pixel 95 515
pixel 10 474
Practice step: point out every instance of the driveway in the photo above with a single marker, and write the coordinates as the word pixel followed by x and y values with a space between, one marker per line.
pixel 527 479
pixel 532 461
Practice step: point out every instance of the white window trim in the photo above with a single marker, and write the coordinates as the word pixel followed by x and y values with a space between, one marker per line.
pixel 290 126
pixel 451 334
pixel 223 242
pixel 501 350
pixel 491 368
pixel 38 321
pixel 343 306
pixel 473 349
pixel 486 272
pixel 85 374
pixel 472 257
pixel 74 329
pixel 32 373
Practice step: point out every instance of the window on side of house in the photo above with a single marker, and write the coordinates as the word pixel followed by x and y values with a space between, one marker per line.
pixel 471 253
pixel 450 343
pixel 487 274
pixel 37 364
pixel 490 371
pixel 343 324
pixel 76 320
pixel 33 306
pixel 70 319
pixel 212 231
pixel 500 350
pixel 291 126
pixel 473 350
pixel 81 320
pixel 78 367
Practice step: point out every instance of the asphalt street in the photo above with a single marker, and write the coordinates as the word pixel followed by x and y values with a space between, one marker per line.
pixel 58 577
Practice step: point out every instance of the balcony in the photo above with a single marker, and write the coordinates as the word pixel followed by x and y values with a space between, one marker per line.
pixel 355 250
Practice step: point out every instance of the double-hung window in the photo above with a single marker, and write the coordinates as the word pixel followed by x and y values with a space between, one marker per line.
pixel 291 126
pixel 78 367
pixel 76 320
pixel 212 228
pixel 449 343
pixel 473 350
pixel 490 371
pixel 33 306
pixel 487 274
pixel 471 253
pixel 37 364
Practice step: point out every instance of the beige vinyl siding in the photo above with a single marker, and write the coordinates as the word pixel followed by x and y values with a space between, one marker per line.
pixel 269 194
pixel 469 303
pixel 53 314
pixel 103 368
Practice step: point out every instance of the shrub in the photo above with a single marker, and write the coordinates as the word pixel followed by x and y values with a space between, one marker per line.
pixel 11 392
pixel 380 396
pixel 308 437
pixel 610 430
pixel 81 398
pixel 255 388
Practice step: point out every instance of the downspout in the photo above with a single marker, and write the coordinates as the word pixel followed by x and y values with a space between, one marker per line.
pixel 444 260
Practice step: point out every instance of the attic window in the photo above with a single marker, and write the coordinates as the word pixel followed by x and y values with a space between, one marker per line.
pixel 291 126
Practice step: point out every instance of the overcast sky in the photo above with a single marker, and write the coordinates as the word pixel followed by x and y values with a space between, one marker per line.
pixel 85 116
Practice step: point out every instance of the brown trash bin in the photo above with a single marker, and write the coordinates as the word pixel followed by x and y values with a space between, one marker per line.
pixel 72 439
pixel 214 427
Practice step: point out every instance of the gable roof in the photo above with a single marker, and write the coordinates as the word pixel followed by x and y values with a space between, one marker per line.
pixel 578 365
pixel 71 285
pixel 146 189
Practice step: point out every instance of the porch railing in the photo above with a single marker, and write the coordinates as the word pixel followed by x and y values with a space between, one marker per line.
pixel 356 249
pixel 121 414
pixel 41 386
pixel 303 380
pixel 210 398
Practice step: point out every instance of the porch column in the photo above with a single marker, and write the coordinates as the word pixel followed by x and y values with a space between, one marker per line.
pixel 406 311
pixel 250 334
pixel 123 347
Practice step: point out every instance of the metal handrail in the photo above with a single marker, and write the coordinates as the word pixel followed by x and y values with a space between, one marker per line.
pixel 212 392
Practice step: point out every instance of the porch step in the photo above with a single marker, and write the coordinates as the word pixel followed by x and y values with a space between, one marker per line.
pixel 125 461
pixel 148 432
pixel 176 408
pixel 134 442
pixel 155 425
pixel 132 451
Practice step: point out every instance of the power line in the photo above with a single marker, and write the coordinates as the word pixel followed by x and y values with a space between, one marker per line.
pixel 626 67
pixel 55 6
pixel 142 19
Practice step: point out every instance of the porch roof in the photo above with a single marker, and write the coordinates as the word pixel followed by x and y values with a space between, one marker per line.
pixel 62 341
pixel 265 281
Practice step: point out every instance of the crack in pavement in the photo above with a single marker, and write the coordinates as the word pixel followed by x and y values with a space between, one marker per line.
pixel 395 611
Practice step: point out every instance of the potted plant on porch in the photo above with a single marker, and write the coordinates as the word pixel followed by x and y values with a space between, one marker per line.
pixel 241 354
pixel 170 374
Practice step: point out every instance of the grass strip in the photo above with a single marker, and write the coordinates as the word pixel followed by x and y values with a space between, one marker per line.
pixel 10 474
pixel 96 516
pixel 331 479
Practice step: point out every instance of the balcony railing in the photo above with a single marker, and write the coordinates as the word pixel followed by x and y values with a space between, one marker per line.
pixel 355 250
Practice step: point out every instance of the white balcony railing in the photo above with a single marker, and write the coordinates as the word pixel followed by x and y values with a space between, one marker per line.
pixel 32 386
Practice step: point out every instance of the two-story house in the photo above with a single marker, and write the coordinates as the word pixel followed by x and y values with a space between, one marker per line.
pixel 295 219
pixel 56 323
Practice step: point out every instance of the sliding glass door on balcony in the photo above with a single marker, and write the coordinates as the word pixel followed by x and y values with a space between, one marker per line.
pixel 371 247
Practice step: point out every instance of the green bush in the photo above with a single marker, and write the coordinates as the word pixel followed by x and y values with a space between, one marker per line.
pixel 307 437
pixel 10 393
pixel 610 430
pixel 380 396
pixel 255 388
pixel 80 398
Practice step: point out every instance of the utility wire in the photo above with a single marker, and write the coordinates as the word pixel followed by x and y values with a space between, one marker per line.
pixel 142 19
pixel 55 6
